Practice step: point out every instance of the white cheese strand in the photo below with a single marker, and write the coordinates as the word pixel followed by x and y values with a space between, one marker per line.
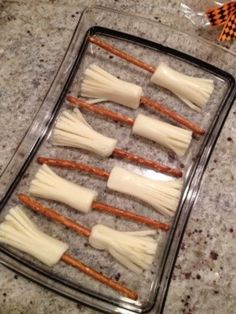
pixel 47 184
pixel 162 195
pixel 170 136
pixel 96 100
pixel 135 250
pixel 72 130
pixel 101 84
pixel 194 91
pixel 19 232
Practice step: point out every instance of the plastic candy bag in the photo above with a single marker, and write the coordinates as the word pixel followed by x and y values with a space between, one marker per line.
pixel 213 15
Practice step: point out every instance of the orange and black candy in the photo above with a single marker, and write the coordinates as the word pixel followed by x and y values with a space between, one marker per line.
pixel 229 30
pixel 219 15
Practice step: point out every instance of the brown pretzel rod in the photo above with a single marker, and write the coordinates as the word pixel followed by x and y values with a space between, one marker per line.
pixel 52 214
pixel 172 115
pixel 74 166
pixel 147 162
pixel 129 215
pixel 103 279
pixel 96 205
pixel 121 54
pixel 100 111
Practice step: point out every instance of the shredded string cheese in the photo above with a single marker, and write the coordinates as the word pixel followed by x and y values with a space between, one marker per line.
pixel 194 91
pixel 135 250
pixel 170 136
pixel 47 184
pixel 162 195
pixel 19 232
pixel 72 130
pixel 101 84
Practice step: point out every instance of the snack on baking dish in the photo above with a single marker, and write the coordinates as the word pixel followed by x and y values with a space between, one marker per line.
pixel 193 91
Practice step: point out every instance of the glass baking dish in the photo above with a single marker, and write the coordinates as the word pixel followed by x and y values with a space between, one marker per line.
pixel 183 52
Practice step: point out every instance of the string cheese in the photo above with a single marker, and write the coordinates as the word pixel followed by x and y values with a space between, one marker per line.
pixel 162 195
pixel 72 130
pixel 193 91
pixel 101 84
pixel 47 184
pixel 170 136
pixel 134 250
pixel 19 232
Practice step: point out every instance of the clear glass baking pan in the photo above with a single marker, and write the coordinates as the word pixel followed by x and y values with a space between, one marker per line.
pixel 152 42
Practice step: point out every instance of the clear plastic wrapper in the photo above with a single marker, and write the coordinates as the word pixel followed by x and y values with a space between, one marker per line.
pixel 214 19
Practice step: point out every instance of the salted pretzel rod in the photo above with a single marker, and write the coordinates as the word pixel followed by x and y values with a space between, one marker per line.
pixel 96 275
pixel 98 205
pixel 68 164
pixel 115 116
pixel 118 152
pixel 18 231
pixel 172 137
pixel 172 115
pixel 52 214
pixel 193 91
pixel 121 54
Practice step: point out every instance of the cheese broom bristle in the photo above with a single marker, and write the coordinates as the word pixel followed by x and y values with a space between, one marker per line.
pixel 101 84
pixel 162 195
pixel 194 91
pixel 47 184
pixel 134 250
pixel 19 232
pixel 72 130
pixel 170 136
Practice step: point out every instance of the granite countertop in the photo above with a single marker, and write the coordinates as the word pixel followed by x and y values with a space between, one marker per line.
pixel 33 39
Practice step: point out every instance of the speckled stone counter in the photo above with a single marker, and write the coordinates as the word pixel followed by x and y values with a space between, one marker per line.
pixel 33 39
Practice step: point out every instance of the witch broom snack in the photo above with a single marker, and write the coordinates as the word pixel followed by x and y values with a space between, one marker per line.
pixel 100 84
pixel 18 231
pixel 47 184
pixel 135 250
pixel 165 134
pixel 72 130
pixel 162 195
pixel 193 91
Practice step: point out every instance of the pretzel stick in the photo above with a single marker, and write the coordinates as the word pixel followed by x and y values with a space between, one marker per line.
pixel 121 54
pixel 52 214
pixel 101 206
pixel 100 111
pixel 147 162
pixel 74 166
pixel 129 215
pixel 94 274
pixel 102 173
pixel 172 115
